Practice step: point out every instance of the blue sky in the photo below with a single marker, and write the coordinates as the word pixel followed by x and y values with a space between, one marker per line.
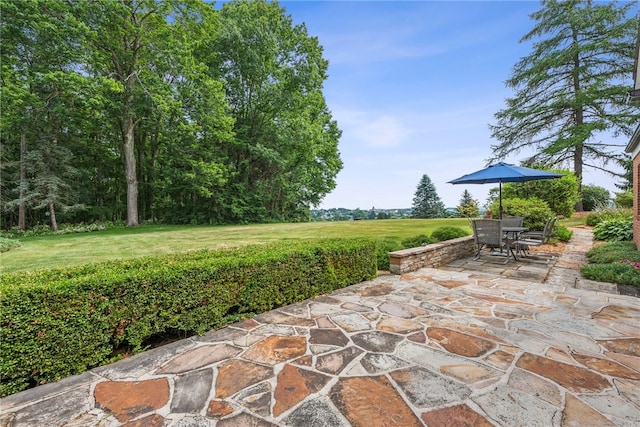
pixel 414 86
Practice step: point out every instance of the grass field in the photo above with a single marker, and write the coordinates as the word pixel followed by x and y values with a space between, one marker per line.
pixel 77 249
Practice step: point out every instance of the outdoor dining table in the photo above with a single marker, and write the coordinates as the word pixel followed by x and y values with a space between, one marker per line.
pixel 514 232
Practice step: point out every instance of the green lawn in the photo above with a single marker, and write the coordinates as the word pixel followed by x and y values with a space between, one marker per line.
pixel 574 221
pixel 76 249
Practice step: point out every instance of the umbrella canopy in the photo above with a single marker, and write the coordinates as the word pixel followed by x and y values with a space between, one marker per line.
pixel 504 172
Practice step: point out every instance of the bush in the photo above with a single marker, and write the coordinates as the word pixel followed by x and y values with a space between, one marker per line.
pixel 43 229
pixel 383 247
pixel 560 195
pixel 613 252
pixel 8 244
pixel 535 212
pixel 620 273
pixel 414 242
pixel 61 322
pixel 618 229
pixel 562 233
pixel 614 262
pixel 441 234
pixel 624 200
pixel 594 196
pixel 592 219
pixel 605 214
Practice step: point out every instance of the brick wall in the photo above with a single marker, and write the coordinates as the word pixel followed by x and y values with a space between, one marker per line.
pixel 636 202
pixel 433 255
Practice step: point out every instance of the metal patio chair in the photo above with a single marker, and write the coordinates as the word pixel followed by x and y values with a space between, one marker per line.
pixel 512 221
pixel 487 233
pixel 535 238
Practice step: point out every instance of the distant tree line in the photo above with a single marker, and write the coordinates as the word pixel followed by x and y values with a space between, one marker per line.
pixel 344 214
pixel 147 110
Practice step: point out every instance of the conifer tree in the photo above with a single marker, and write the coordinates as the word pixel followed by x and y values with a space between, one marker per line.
pixel 426 202
pixel 569 99
pixel 468 206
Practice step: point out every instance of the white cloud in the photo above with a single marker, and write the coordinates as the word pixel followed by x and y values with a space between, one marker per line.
pixel 372 129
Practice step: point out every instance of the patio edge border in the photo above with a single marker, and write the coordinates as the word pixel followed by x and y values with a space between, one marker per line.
pixel 433 255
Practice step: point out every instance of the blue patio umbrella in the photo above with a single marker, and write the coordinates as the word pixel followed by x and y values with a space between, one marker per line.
pixel 504 172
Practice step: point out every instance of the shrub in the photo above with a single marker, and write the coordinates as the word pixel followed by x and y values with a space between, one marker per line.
pixel 535 212
pixel 62 322
pixel 614 262
pixel 562 233
pixel 415 241
pixel 613 252
pixel 594 196
pixel 383 247
pixel 592 219
pixel 80 228
pixel 560 195
pixel 624 199
pixel 8 244
pixel 604 214
pixel 618 229
pixel 43 229
pixel 620 273
pixel 441 234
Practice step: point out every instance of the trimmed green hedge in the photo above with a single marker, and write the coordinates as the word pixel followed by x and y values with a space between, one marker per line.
pixel 61 322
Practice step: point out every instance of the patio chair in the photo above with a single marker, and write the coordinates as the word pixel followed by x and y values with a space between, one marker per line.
pixel 487 233
pixel 535 238
pixel 512 221
pixel 543 235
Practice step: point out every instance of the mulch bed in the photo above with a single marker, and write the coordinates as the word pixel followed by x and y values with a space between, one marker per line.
pixel 557 248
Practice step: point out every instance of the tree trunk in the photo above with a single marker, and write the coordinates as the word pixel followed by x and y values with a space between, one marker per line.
pixel 99 190
pixel 23 181
pixel 579 121
pixel 52 215
pixel 577 167
pixel 130 170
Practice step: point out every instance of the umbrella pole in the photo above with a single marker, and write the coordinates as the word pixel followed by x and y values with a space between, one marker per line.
pixel 500 210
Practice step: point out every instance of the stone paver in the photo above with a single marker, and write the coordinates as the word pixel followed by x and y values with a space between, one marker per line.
pixel 450 346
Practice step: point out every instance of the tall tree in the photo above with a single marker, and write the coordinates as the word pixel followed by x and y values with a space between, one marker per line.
pixel 40 90
pixel 570 91
pixel 183 168
pixel 163 110
pixel 284 156
pixel 426 202
pixel 122 37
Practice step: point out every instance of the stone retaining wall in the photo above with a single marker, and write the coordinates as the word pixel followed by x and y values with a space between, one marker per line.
pixel 433 255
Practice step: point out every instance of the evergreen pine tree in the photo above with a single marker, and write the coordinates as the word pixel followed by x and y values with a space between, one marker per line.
pixel 426 202
pixel 570 91
pixel 468 207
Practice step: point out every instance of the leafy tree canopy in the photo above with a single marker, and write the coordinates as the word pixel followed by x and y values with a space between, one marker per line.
pixel 168 111
pixel 594 196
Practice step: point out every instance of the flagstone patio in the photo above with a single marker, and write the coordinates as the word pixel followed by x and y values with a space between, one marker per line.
pixel 435 347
